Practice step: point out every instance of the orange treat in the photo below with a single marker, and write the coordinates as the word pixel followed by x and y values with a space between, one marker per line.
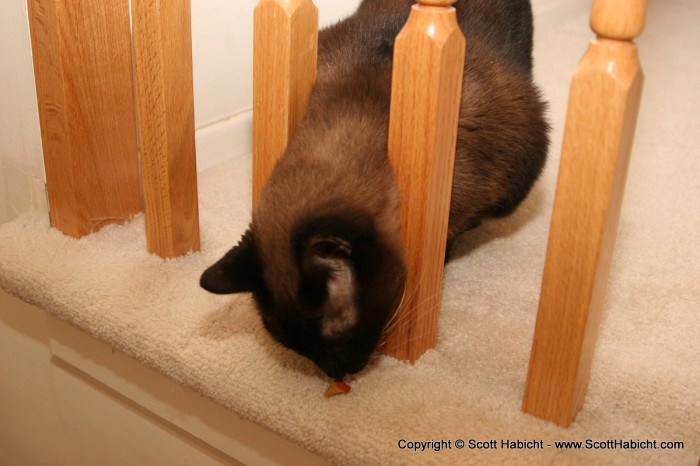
pixel 337 387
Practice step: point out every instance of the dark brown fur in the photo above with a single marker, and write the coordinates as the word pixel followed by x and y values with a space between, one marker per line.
pixel 323 256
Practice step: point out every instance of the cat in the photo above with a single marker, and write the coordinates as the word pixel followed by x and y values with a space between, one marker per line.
pixel 323 256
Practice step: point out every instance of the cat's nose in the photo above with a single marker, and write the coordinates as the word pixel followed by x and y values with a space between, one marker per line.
pixel 334 372
pixel 331 367
pixel 354 366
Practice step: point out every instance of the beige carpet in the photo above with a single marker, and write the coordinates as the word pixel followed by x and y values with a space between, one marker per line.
pixel 645 381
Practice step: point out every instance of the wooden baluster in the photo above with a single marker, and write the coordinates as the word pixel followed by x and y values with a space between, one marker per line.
pixel 284 71
pixel 163 65
pixel 82 66
pixel 426 93
pixel 603 106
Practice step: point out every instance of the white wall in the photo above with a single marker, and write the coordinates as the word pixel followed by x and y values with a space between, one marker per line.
pixel 222 37
pixel 21 162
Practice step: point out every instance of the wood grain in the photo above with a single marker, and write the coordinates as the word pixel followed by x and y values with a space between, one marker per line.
pixel 284 72
pixel 165 103
pixel 83 72
pixel 603 105
pixel 618 19
pixel 426 93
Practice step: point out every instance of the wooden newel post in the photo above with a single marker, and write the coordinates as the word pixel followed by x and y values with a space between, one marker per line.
pixel 284 71
pixel 426 94
pixel 603 105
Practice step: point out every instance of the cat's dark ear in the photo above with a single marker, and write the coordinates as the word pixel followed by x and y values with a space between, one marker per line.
pixel 323 256
pixel 238 271
pixel 330 282
pixel 329 247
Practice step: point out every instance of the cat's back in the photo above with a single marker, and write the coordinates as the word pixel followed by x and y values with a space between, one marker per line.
pixel 500 28
pixel 502 134
pixel 342 144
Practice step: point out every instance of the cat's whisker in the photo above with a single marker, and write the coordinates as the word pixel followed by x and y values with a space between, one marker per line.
pixel 378 354
pixel 404 299
pixel 424 314
pixel 396 312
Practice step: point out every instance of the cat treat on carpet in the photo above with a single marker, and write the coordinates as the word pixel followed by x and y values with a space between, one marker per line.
pixel 337 387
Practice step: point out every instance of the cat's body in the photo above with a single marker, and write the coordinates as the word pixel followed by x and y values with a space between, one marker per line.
pixel 323 256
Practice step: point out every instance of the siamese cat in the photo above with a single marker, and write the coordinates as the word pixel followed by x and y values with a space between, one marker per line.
pixel 322 256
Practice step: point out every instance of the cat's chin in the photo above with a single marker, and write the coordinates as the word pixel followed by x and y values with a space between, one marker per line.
pixel 340 370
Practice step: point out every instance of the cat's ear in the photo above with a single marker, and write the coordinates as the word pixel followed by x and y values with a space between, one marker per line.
pixel 324 257
pixel 331 282
pixel 238 271
pixel 328 248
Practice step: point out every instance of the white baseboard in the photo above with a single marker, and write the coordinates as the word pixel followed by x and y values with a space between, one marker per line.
pixel 224 139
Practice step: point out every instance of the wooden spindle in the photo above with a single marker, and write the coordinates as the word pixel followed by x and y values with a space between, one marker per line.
pixel 603 106
pixel 82 66
pixel 284 71
pixel 425 100
pixel 163 64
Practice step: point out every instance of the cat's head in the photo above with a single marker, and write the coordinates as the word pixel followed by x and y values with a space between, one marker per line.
pixel 326 294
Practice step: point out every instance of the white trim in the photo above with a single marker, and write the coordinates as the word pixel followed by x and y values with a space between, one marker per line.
pixel 224 139
pixel 219 428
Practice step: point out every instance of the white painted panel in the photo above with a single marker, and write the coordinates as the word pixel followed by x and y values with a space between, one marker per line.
pixel 21 159
pixel 222 56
